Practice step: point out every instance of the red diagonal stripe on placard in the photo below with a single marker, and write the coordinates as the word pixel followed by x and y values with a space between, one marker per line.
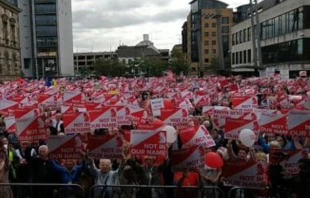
pixel 69 118
pixel 232 168
pixel 177 157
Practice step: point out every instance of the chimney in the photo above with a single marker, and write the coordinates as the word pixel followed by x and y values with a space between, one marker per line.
pixel 146 37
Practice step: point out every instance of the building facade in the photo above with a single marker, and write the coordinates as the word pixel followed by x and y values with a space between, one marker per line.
pixel 46 38
pixel 207 37
pixel 10 65
pixel 87 59
pixel 284 38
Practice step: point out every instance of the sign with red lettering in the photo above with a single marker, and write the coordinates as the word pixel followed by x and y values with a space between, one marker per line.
pixel 65 147
pixel 72 97
pixel 189 158
pixel 299 123
pixel 196 135
pixel 273 123
pixel 174 116
pixel 104 117
pixel 289 163
pixel 47 99
pixel 245 102
pixel 245 174
pixel 105 147
pixel 10 124
pixel 234 126
pixel 152 143
pixel 76 122
pixel 156 105
pixel 123 116
pixel 30 126
pixel 8 107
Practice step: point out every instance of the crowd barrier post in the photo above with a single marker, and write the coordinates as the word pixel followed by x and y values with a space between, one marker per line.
pixel 36 190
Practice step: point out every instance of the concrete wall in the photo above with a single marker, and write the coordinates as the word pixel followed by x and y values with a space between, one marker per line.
pixel 26 39
pixel 65 38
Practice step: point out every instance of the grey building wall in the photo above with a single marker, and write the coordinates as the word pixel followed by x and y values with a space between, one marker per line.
pixel 65 38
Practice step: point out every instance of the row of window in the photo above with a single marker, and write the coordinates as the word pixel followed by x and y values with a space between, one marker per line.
pixel 46 30
pixel 296 50
pixel 44 42
pixel 45 8
pixel 242 57
pixel 207 51
pixel 46 20
pixel 285 23
pixel 224 29
pixel 242 36
pixel 208 42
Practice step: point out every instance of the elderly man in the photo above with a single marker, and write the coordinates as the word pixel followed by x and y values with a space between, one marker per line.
pixel 103 176
pixel 43 172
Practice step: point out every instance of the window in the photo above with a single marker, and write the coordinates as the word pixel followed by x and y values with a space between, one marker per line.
pixel 244 57
pixel 47 31
pixel 213 25
pixel 206 25
pixel 213 42
pixel 26 63
pixel 225 29
pixel 237 58
pixel 240 57
pixel 206 42
pixel 237 38
pixel 46 20
pixel 206 51
pixel 45 8
pixel 206 33
pixel 240 37
pixel 233 39
pixel 244 36
pixel 249 56
pixel 214 51
pixel 206 60
pixel 213 33
pixel 233 58
pixel 225 20
pixel 249 34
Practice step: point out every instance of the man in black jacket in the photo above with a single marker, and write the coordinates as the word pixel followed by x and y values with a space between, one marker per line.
pixel 43 173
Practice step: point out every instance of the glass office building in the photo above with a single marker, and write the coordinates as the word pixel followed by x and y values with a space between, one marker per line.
pixel 284 35
pixel 46 39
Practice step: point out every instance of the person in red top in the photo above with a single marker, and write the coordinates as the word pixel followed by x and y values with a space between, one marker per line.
pixel 185 179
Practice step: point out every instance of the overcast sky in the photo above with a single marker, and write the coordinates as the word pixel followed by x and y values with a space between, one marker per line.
pixel 101 25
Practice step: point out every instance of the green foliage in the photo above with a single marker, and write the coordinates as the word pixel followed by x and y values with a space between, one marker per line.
pixel 214 63
pixel 178 63
pixel 109 67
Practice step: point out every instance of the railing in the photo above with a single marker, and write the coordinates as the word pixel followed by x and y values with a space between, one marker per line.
pixel 40 190
pixel 141 191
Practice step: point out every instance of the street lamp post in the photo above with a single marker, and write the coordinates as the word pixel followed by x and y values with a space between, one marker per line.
pixel 218 16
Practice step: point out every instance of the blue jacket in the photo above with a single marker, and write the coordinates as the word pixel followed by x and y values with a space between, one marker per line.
pixel 67 177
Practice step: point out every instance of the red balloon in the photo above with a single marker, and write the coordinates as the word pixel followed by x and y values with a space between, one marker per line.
pixel 214 160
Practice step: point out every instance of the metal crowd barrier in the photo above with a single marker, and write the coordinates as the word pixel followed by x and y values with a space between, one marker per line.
pixel 145 191
pixel 40 190
pixel 239 192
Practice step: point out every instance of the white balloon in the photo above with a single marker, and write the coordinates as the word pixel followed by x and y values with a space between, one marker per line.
pixel 247 137
pixel 171 134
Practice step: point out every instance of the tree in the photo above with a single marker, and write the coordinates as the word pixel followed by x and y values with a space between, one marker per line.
pixel 153 66
pixel 178 63
pixel 109 67
pixel 214 63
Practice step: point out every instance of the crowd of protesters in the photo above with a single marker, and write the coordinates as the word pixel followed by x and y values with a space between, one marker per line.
pixel 29 162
